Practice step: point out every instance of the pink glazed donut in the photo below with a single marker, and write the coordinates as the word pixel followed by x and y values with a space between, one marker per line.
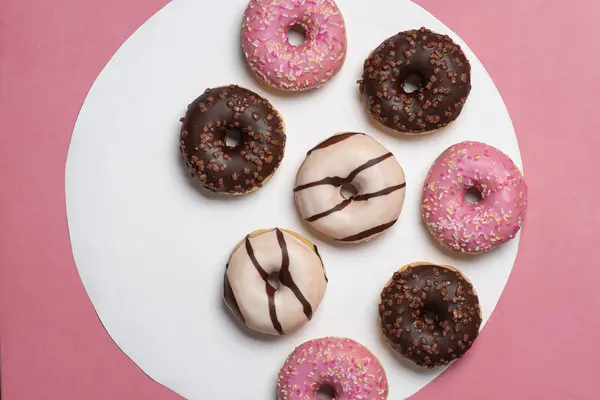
pixel 477 227
pixel 291 67
pixel 340 367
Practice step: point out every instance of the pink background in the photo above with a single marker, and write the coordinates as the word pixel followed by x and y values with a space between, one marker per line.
pixel 542 340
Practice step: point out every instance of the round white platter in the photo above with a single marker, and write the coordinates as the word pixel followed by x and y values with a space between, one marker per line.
pixel 151 249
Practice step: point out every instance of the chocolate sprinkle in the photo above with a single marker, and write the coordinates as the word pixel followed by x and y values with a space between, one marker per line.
pixel 202 142
pixel 429 314
pixel 441 65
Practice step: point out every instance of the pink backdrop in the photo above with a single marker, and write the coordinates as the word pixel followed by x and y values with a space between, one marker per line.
pixel 541 342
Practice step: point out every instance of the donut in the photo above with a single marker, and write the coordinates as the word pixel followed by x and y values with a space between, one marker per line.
pixel 429 313
pixel 460 225
pixel 445 81
pixel 252 161
pixel 279 255
pixel 289 67
pixel 360 161
pixel 340 367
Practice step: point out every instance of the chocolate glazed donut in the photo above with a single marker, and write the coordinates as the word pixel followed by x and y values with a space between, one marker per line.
pixel 429 313
pixel 445 76
pixel 248 165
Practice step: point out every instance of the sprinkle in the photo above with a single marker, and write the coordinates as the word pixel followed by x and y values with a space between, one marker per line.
pixel 341 363
pixel 282 64
pixel 438 95
pixel 203 147
pixel 423 336
pixel 479 227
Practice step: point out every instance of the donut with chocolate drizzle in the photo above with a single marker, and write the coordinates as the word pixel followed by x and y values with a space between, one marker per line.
pixel 238 169
pixel 444 73
pixel 274 281
pixel 429 313
pixel 350 160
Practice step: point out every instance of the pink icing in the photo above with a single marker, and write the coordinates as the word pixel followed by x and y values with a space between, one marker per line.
pixel 493 220
pixel 286 66
pixel 348 367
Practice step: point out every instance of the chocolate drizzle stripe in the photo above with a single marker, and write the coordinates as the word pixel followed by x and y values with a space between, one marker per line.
pixel 339 181
pixel 333 181
pixel 366 165
pixel 320 258
pixel 272 310
pixel 369 232
pixel 285 277
pixel 269 289
pixel 231 301
pixel 338 207
pixel 383 192
pixel 250 251
pixel 333 140
pixel 363 197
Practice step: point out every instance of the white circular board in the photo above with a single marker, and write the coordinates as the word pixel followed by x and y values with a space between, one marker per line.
pixel 151 249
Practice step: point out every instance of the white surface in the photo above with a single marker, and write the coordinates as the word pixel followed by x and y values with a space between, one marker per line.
pixel 151 250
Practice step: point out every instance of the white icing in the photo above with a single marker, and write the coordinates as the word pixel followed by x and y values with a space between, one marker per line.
pixel 249 288
pixel 340 159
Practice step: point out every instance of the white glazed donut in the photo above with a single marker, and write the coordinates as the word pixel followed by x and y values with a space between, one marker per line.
pixel 256 301
pixel 359 160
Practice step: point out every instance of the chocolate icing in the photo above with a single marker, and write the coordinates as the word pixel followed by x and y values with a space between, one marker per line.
pixel 445 75
pixel 429 314
pixel 240 169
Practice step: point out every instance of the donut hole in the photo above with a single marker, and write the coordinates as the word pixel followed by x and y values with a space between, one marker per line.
pixel 473 195
pixel 296 35
pixel 273 280
pixel 412 83
pixel 233 137
pixel 348 191
pixel 326 392
pixel 430 317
